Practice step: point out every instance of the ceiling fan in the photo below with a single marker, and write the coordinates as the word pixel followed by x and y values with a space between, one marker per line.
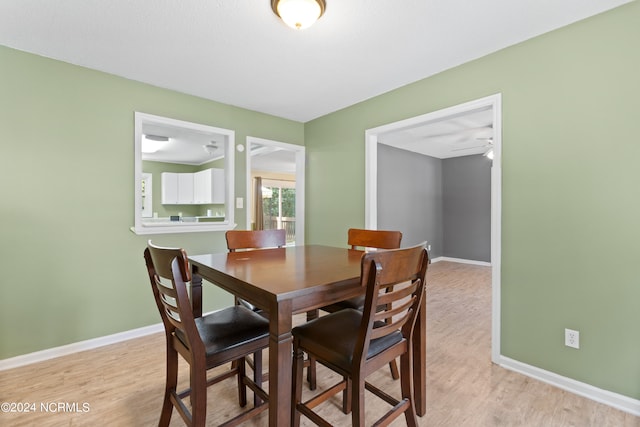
pixel 211 147
pixel 487 144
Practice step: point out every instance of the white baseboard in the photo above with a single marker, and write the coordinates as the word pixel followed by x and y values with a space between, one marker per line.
pixel 461 261
pixel 606 397
pixel 51 353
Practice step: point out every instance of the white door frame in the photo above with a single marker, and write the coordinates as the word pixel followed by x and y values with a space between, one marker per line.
pixel 299 151
pixel 371 189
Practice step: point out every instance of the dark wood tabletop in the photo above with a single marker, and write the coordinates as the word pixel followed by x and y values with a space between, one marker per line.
pixel 286 281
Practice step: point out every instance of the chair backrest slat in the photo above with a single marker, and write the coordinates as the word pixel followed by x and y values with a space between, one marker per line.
pixel 255 239
pixel 396 293
pixel 169 300
pixel 169 273
pixel 394 310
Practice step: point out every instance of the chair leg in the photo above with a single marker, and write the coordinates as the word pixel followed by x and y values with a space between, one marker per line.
pixel 394 370
pixel 296 392
pixel 311 373
pixel 311 370
pixel 406 387
pixel 170 386
pixel 242 387
pixel 357 399
pixel 257 375
pixel 198 394
pixel 346 396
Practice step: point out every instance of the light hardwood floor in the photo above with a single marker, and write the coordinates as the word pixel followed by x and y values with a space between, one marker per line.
pixel 123 383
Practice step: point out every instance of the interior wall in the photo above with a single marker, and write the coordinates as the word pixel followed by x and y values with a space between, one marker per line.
pixel 446 202
pixel 570 101
pixel 466 205
pixel 410 196
pixel 72 269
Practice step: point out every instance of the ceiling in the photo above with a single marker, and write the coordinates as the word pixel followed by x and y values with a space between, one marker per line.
pixel 238 52
pixel 182 145
pixel 272 159
pixel 453 136
pixel 173 143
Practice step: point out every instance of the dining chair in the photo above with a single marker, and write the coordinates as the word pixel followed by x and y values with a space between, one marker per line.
pixel 355 343
pixel 254 239
pixel 366 239
pixel 227 335
pixel 363 239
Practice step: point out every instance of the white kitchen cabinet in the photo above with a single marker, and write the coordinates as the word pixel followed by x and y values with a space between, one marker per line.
pixel 185 189
pixel 209 187
pixel 177 188
pixel 201 188
pixel 169 188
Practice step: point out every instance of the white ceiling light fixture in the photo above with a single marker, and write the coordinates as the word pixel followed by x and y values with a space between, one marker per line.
pixel 153 143
pixel 298 14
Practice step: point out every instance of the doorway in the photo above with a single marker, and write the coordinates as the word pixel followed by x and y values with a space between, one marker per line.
pixel 372 140
pixel 278 168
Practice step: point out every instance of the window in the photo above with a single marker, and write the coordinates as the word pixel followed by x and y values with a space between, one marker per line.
pixel 279 206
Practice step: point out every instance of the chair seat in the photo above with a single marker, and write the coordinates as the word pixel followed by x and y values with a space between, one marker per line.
pixel 247 304
pixel 355 303
pixel 228 328
pixel 334 337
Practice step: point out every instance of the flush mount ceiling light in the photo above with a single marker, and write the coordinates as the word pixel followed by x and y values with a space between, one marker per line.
pixel 158 138
pixel 298 14
pixel 153 143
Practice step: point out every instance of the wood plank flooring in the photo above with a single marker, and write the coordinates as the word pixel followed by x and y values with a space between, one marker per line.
pixel 122 384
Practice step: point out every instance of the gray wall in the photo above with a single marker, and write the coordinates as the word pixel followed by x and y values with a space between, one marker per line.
pixel 446 202
pixel 410 196
pixel 466 205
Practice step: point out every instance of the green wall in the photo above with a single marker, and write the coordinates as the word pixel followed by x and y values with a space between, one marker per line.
pixel 571 188
pixel 71 268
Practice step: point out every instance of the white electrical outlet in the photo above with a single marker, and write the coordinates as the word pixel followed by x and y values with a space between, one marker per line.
pixel 572 338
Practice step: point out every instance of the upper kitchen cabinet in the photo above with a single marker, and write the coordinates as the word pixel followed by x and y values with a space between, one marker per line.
pixel 208 186
pixel 205 187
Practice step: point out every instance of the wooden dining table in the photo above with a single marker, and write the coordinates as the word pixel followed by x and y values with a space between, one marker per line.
pixel 287 281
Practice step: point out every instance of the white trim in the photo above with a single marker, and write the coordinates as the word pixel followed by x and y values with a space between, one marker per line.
pixel 609 398
pixel 299 151
pixel 371 178
pixel 371 188
pixel 461 261
pixel 65 350
pixel 496 227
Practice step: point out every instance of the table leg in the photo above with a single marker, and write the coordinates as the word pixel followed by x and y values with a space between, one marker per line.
pixel 196 293
pixel 280 365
